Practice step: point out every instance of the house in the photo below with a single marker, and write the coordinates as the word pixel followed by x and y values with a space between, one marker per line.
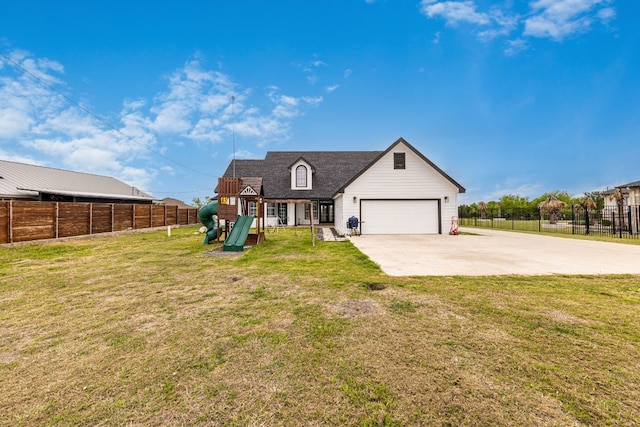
pixel 20 181
pixel 396 191
pixel 626 216
pixel 170 201
pixel 629 194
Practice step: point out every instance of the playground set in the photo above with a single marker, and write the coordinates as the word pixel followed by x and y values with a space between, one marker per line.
pixel 230 216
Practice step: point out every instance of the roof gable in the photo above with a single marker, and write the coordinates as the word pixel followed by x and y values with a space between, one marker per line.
pixel 301 159
pixel 333 170
pixel 401 140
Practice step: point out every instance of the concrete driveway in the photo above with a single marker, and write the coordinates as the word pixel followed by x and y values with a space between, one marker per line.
pixel 492 252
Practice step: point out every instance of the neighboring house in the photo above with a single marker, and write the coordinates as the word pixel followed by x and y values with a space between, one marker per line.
pixel 20 181
pixel 630 192
pixel 633 199
pixel 174 202
pixel 396 191
pixel 628 217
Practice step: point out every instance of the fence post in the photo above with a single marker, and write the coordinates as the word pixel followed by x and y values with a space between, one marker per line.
pixel 57 217
pixel 621 221
pixel 587 220
pixel 10 225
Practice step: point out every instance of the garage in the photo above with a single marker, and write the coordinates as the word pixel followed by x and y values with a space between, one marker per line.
pixel 400 216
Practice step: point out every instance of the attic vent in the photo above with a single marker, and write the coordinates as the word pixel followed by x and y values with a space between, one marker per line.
pixel 248 191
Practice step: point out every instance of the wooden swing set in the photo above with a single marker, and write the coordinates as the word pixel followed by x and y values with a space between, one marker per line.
pixel 234 197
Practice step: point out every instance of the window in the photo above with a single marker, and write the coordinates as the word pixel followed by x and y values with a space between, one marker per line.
pixel 271 209
pixel 315 211
pixel 252 208
pixel 282 212
pixel 301 176
pixel 398 161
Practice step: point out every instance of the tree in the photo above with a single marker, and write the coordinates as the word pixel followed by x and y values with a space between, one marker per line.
pixel 590 204
pixel 482 207
pixel 618 196
pixel 199 203
pixel 468 211
pixel 596 198
pixel 515 205
pixel 553 206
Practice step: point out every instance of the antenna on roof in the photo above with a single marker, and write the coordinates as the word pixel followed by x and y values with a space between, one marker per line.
pixel 233 132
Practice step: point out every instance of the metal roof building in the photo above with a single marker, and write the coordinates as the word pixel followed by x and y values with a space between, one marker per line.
pixel 20 181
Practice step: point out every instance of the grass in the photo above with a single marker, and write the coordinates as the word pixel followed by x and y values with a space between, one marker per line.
pixel 144 329
pixel 533 227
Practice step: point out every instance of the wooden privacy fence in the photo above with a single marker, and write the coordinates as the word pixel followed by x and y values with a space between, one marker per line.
pixel 22 221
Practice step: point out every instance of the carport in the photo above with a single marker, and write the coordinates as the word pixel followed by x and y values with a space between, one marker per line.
pixel 486 252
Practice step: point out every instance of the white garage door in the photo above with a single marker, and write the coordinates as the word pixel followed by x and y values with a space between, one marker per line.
pixel 399 217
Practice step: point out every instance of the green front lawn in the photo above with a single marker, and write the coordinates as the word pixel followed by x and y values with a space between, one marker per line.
pixel 147 329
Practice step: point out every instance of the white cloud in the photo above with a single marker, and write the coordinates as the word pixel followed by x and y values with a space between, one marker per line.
pixel 18 158
pixel 455 11
pixel 522 190
pixel 36 121
pixel 313 101
pixel 558 19
pixel 242 154
pixel 22 97
pixel 14 120
pixel 515 46
pixel 332 88
pixel 309 69
pixel 606 14
pixel 552 19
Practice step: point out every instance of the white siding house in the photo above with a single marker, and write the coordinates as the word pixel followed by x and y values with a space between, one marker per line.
pixel 411 197
pixel 396 191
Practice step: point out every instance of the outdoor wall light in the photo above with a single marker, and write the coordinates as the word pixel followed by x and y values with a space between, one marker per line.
pixel 446 199
pixel 355 199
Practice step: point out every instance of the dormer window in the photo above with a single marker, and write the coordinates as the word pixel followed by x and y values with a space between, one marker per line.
pixel 301 176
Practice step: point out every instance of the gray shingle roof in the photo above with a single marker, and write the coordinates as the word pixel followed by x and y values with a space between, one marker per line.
pixel 332 169
pixel 23 181
pixel 632 184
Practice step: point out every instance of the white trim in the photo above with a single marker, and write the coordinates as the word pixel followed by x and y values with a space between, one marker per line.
pixel 294 181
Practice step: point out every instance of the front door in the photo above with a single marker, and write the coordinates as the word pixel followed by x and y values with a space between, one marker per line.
pixel 326 213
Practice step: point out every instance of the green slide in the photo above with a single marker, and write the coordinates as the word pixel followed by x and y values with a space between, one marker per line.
pixel 238 234
pixel 206 217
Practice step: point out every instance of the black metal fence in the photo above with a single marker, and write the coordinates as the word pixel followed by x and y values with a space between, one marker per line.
pixel 611 221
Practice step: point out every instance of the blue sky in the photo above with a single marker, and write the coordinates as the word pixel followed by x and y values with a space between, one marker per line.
pixel 507 97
